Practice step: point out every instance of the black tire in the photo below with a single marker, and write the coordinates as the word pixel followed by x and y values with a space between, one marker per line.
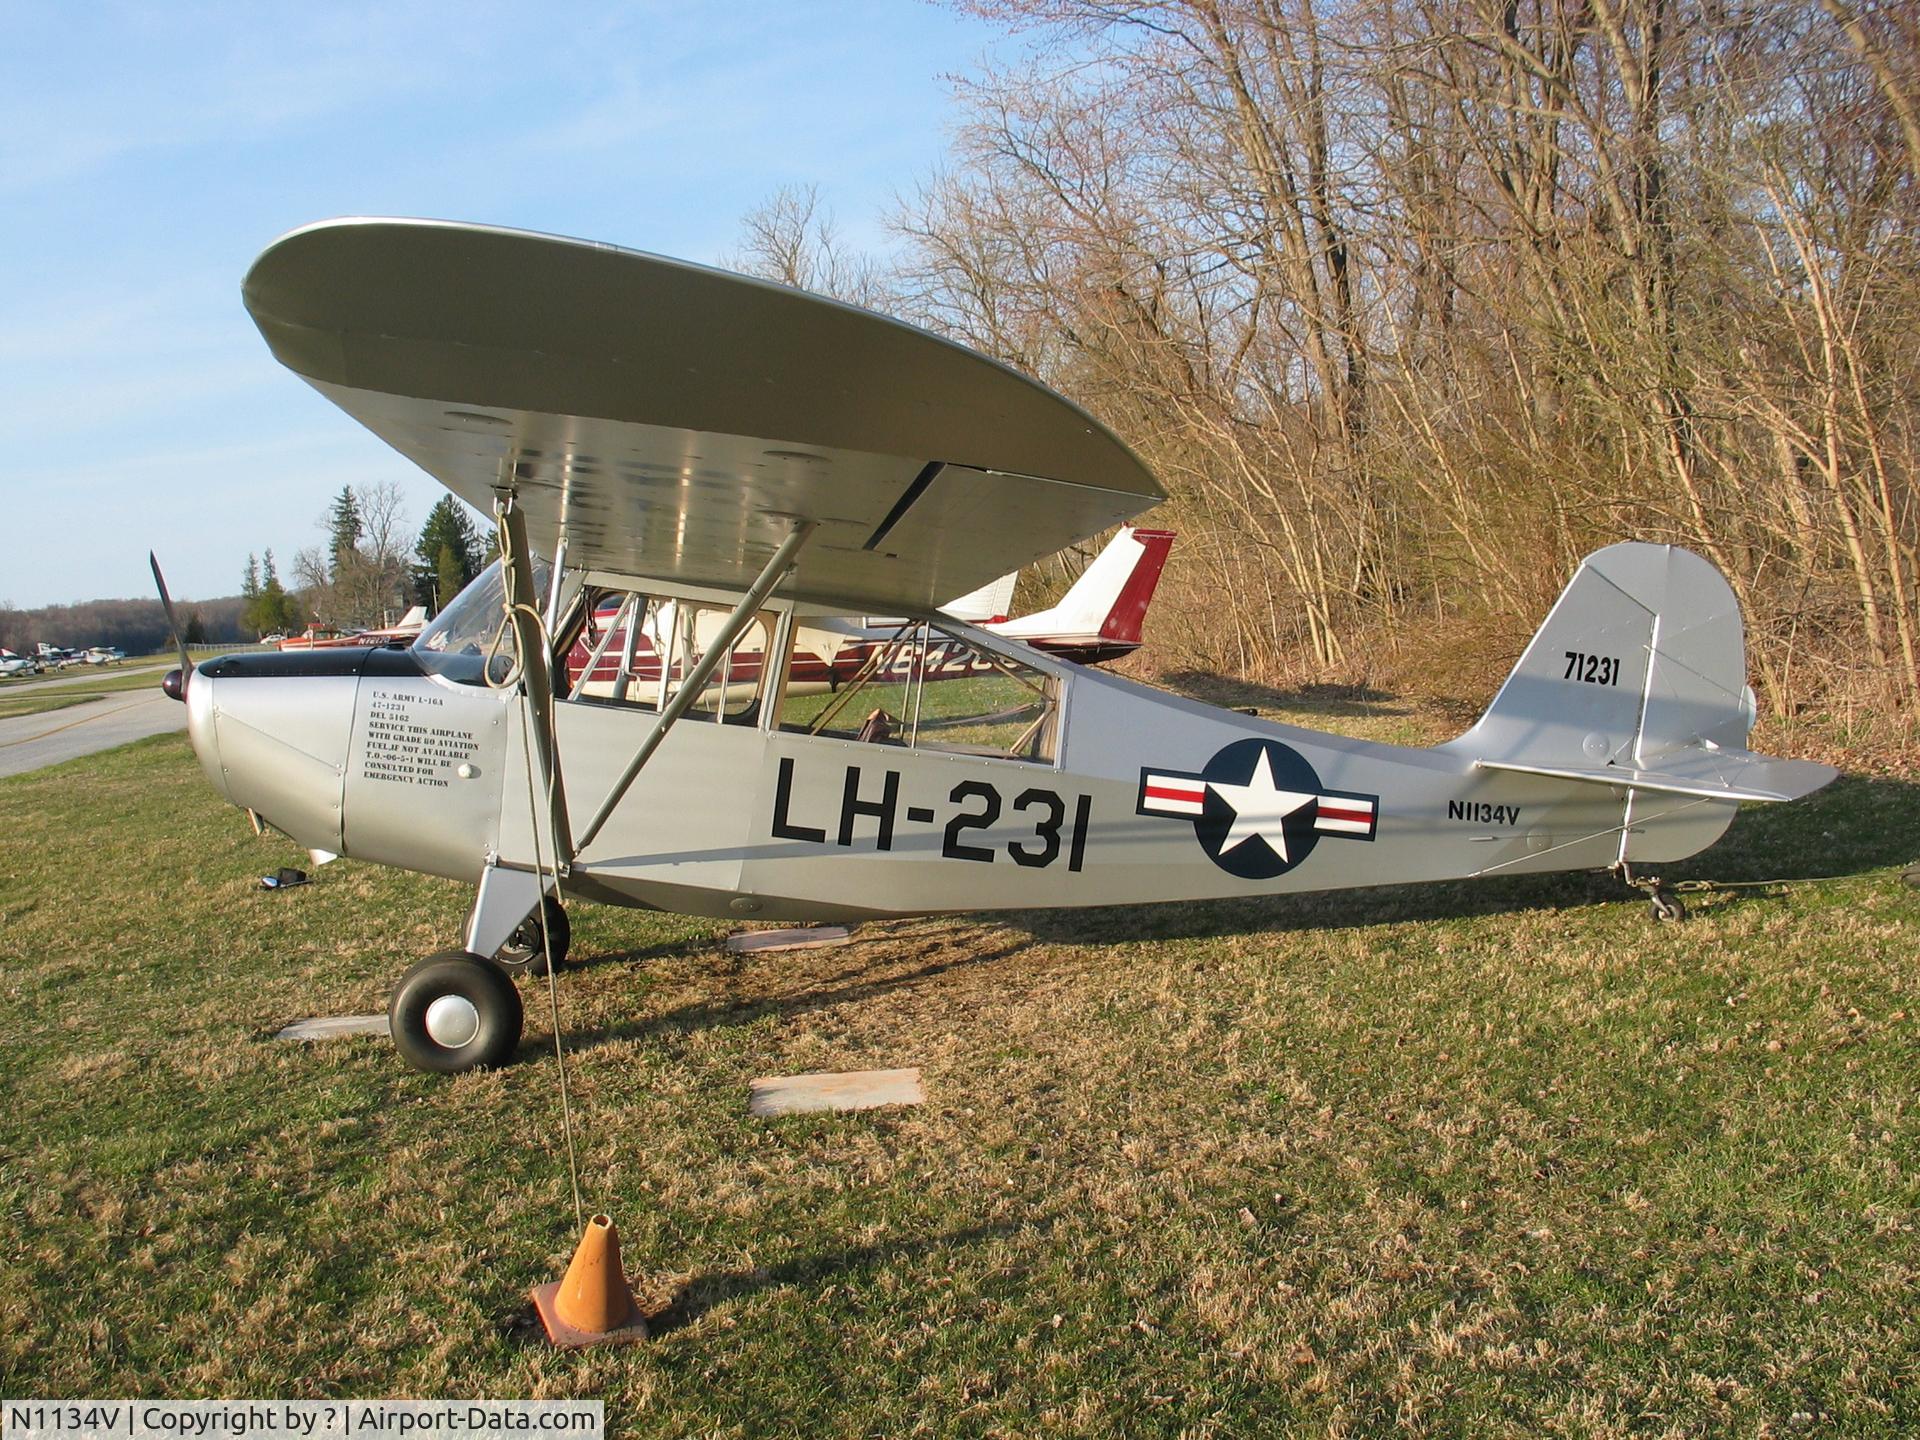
pixel 525 952
pixel 1666 909
pixel 454 974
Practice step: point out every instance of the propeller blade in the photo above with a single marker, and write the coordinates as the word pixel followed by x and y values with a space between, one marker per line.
pixel 173 624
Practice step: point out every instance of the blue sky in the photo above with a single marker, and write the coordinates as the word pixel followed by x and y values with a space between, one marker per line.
pixel 149 151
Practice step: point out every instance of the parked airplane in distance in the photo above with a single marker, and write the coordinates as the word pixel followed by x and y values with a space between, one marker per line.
pixel 1099 619
pixel 325 637
pixel 53 655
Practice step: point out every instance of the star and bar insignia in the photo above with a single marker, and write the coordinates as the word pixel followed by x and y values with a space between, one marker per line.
pixel 1257 808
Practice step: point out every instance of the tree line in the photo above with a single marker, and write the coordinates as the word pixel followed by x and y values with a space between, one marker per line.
pixel 365 576
pixel 368 573
pixel 138 627
pixel 1414 302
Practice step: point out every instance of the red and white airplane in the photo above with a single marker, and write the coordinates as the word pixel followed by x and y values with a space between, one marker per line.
pixel 1097 620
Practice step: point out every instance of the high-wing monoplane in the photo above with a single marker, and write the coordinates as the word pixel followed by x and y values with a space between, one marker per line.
pixel 721 468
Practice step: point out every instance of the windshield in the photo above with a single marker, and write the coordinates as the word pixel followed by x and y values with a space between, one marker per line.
pixel 456 644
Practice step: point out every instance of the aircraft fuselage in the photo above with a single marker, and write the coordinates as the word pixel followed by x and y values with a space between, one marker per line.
pixel 1138 796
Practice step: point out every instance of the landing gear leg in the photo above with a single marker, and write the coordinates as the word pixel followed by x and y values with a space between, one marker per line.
pixel 525 952
pixel 505 923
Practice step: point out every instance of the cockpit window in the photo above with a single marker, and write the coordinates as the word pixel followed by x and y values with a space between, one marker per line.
pixel 637 650
pixel 921 686
pixel 462 637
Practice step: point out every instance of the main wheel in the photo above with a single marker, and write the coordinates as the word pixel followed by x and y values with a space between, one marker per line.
pixel 525 951
pixel 455 1012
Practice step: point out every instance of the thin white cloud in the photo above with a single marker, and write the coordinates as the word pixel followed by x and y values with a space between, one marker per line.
pixel 154 78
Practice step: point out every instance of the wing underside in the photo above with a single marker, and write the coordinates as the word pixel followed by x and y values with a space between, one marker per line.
pixel 671 422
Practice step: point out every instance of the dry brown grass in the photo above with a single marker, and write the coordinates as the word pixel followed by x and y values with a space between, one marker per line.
pixel 1493 1160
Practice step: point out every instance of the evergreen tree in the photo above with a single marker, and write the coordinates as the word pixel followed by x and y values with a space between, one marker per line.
pixel 269 609
pixel 448 554
pixel 450 576
pixel 250 580
pixel 345 529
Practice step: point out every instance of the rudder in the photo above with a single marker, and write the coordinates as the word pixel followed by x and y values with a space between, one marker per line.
pixel 1643 656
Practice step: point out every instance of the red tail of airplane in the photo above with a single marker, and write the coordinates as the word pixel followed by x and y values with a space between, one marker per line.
pixel 1100 618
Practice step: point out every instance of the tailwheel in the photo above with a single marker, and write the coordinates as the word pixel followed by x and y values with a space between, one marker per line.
pixel 525 951
pixel 1665 908
pixel 454 1012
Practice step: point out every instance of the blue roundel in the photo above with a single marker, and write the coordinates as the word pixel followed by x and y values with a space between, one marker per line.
pixel 1262 804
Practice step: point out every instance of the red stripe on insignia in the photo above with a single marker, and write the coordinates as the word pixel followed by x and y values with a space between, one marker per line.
pixel 1358 817
pixel 1163 792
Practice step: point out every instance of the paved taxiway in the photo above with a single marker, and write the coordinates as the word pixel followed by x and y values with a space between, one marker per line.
pixel 28 742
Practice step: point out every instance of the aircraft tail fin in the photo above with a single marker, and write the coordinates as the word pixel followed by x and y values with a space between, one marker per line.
pixel 988 605
pixel 1111 597
pixel 1638 678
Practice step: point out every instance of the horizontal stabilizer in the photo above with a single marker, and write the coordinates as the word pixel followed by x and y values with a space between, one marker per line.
pixel 1716 774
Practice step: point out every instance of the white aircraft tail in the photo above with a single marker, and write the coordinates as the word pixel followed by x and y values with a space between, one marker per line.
pixel 1110 598
pixel 987 605
pixel 1638 678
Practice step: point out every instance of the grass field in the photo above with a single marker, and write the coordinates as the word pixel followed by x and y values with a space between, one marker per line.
pixel 1503 1159
pixel 41 699
pixel 12 705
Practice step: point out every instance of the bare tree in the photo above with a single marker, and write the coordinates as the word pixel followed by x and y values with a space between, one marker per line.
pixel 1412 302
pixel 792 238
pixel 367 583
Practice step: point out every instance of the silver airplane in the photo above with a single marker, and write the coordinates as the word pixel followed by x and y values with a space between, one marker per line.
pixel 727 465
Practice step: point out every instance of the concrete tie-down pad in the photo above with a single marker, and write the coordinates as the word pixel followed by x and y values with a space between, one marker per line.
pixel 812 938
pixel 849 1090
pixel 332 1027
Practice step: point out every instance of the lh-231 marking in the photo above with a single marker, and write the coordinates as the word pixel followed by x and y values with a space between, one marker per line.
pixel 980 806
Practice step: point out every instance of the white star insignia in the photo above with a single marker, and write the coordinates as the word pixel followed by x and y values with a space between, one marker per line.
pixel 1260 808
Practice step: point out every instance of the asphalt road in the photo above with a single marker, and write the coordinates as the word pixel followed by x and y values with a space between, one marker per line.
pixel 28 742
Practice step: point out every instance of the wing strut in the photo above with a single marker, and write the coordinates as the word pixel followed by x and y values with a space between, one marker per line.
pixel 530 642
pixel 696 679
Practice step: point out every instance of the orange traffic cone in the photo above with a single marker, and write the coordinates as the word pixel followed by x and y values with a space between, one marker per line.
pixel 592 1305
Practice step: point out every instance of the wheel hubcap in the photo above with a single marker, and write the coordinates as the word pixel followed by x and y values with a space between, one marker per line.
pixel 453 1021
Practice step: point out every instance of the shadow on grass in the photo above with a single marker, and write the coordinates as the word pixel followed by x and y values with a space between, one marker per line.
pixel 706 1293
pixel 666 950
pixel 1325 910
pixel 1228 690
pixel 850 987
